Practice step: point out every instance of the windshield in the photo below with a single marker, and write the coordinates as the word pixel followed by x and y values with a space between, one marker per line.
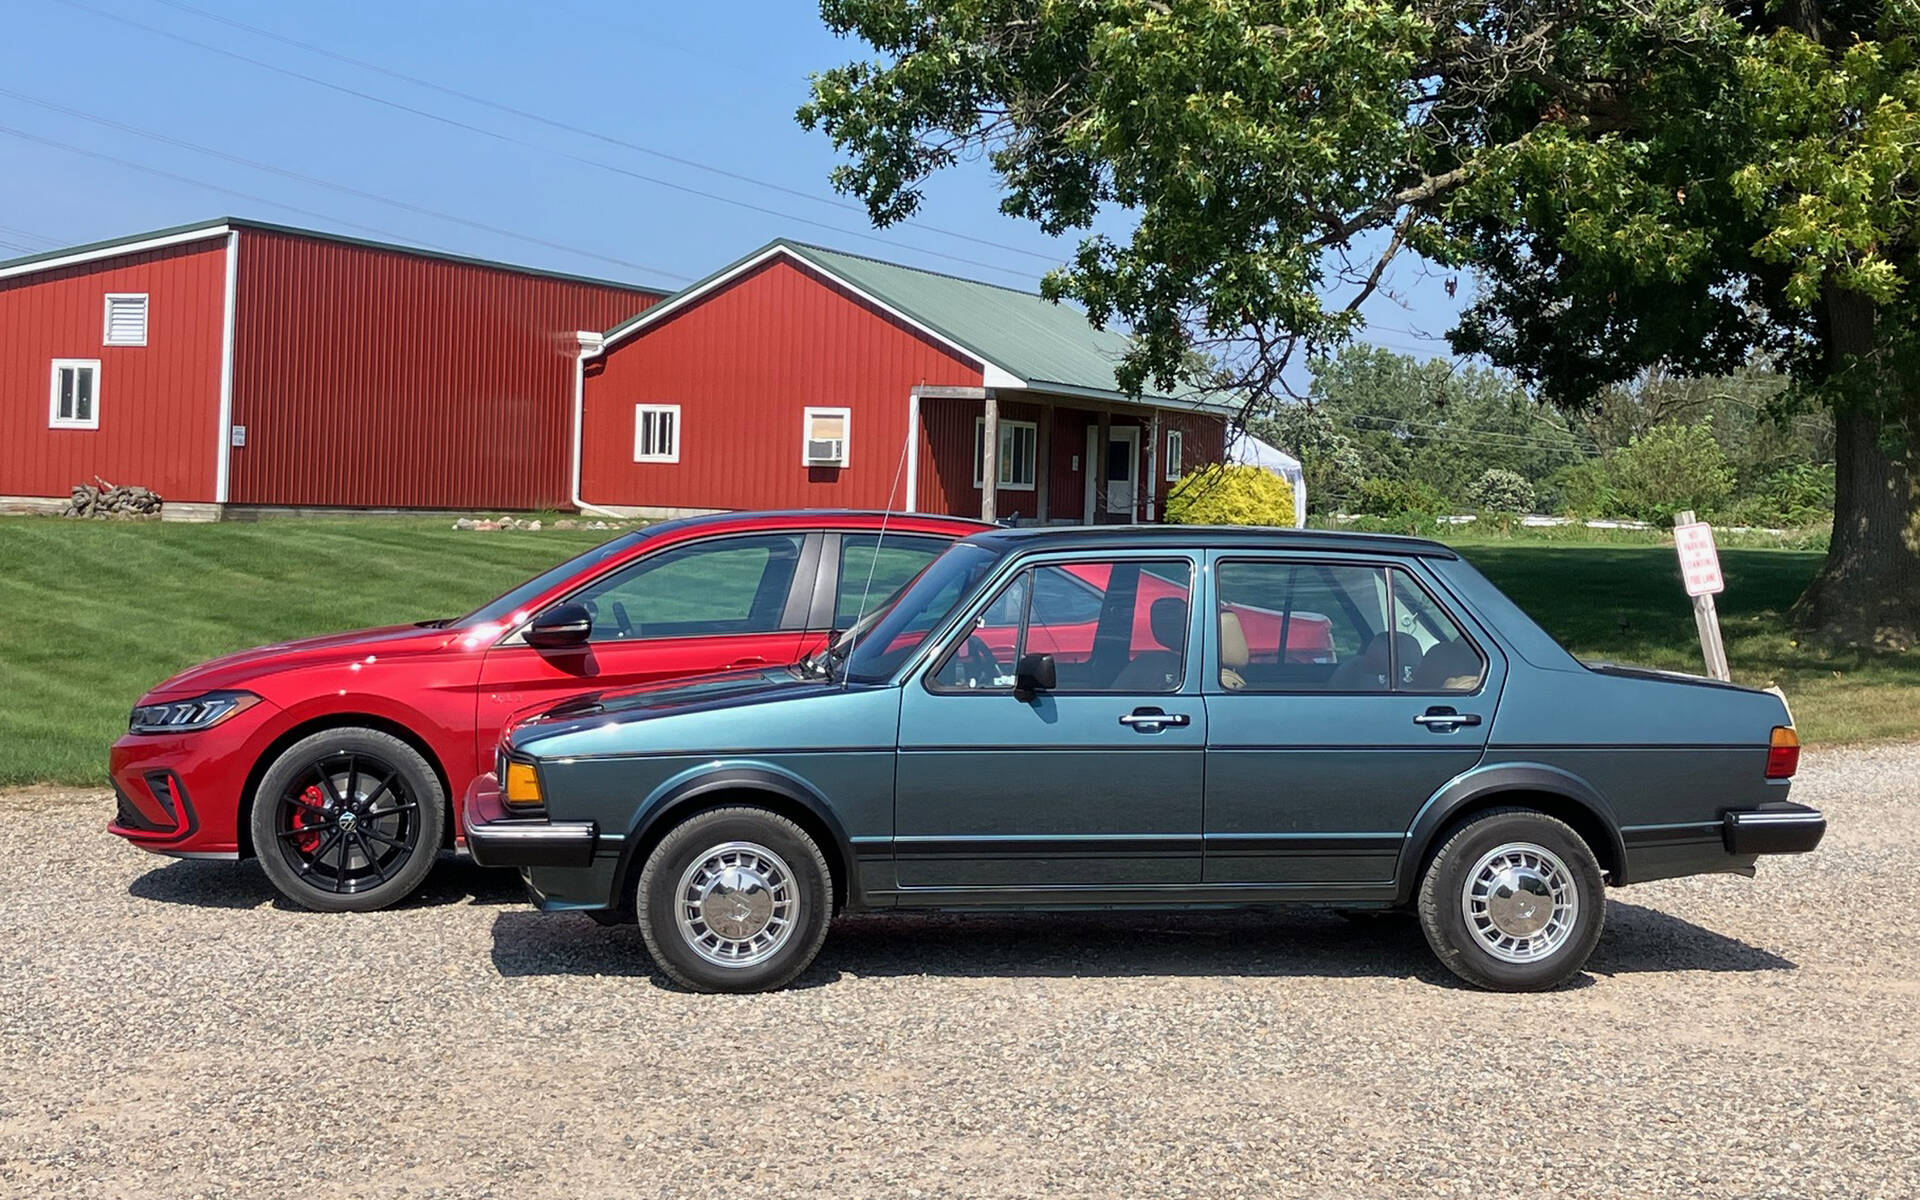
pixel 898 630
pixel 517 599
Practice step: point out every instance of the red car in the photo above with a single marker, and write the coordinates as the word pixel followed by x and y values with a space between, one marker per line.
pixel 338 760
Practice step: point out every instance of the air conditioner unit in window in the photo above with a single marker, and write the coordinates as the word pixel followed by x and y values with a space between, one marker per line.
pixel 826 452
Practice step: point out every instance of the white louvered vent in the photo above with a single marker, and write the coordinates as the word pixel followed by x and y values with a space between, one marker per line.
pixel 126 320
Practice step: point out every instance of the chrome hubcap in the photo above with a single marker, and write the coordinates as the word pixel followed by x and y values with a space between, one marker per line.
pixel 736 906
pixel 1520 902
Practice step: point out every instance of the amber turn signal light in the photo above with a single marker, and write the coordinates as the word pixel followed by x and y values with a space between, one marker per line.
pixel 523 786
pixel 1783 753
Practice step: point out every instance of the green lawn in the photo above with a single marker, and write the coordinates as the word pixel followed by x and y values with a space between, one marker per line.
pixel 97 612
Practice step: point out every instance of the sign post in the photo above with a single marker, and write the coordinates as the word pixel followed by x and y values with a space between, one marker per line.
pixel 1700 568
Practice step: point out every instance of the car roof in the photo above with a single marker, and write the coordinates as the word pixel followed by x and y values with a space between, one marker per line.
pixel 1209 537
pixel 817 518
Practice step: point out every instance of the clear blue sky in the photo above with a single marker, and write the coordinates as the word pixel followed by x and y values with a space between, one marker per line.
pixel 714 84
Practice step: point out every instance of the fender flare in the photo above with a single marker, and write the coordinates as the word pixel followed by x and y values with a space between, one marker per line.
pixel 687 791
pixel 1476 785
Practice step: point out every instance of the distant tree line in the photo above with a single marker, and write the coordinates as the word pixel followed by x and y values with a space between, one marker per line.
pixel 1385 434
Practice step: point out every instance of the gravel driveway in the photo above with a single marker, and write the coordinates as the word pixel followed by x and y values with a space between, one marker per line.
pixel 168 1029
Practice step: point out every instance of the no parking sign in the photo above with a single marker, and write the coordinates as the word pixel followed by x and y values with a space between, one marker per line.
pixel 1699 559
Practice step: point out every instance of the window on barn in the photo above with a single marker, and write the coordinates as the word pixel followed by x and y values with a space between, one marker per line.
pixel 126 320
pixel 74 402
pixel 823 437
pixel 1176 445
pixel 656 433
pixel 1019 442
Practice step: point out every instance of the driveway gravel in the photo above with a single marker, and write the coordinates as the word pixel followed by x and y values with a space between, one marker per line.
pixel 169 1029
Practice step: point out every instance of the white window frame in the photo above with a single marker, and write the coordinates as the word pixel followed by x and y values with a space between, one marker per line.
pixel 980 442
pixel 54 419
pixel 640 413
pixel 846 435
pixel 1176 449
pixel 106 317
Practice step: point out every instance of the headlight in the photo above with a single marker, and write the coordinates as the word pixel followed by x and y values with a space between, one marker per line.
pixel 189 716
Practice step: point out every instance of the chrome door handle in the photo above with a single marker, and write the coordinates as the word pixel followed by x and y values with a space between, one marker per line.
pixel 1445 720
pixel 1153 720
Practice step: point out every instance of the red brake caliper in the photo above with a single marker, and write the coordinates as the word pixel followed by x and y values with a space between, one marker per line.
pixel 304 818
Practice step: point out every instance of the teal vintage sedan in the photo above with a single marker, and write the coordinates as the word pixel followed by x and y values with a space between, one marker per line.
pixel 1149 717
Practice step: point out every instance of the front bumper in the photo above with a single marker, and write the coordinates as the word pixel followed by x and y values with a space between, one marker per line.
pixel 497 838
pixel 179 793
pixel 1775 829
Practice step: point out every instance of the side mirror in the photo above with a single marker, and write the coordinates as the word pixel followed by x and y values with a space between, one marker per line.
pixel 559 627
pixel 1034 674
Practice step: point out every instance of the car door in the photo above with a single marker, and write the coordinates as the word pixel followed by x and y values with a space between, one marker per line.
pixel 860 572
pixel 1341 694
pixel 1095 784
pixel 686 609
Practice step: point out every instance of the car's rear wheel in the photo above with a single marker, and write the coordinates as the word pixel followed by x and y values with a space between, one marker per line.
pixel 348 820
pixel 1513 901
pixel 734 899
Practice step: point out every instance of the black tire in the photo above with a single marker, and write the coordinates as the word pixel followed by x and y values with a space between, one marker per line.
pixel 348 820
pixel 1471 956
pixel 695 843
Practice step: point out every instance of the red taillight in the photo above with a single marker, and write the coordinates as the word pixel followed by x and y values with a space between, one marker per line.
pixel 1783 753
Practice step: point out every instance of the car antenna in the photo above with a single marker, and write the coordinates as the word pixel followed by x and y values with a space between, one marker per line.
pixel 873 562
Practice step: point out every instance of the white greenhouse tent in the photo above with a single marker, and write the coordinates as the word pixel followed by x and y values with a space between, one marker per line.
pixel 1251 451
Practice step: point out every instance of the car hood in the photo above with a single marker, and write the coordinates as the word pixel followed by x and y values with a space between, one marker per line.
pixel 237 669
pixel 606 713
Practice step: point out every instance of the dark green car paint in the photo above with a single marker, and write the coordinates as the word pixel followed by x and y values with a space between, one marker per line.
pixel 956 799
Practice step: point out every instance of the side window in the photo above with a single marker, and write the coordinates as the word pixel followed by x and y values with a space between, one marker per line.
pixel 1110 627
pixel 872 571
pixel 733 585
pixel 1448 662
pixel 1306 627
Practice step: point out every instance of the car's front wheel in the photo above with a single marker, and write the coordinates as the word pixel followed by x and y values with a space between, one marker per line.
pixel 734 899
pixel 348 820
pixel 1513 901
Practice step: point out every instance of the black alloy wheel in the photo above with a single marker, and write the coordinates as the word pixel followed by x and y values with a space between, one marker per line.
pixel 348 820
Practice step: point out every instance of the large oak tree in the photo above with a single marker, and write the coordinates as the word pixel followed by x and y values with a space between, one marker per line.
pixel 1633 182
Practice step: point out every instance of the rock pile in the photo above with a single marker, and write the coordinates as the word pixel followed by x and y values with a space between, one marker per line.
pixel 101 500
pixel 523 524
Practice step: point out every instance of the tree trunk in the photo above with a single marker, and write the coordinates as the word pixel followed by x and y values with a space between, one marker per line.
pixel 1868 591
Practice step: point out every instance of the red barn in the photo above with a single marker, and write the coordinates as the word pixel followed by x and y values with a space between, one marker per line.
pixel 800 376
pixel 239 363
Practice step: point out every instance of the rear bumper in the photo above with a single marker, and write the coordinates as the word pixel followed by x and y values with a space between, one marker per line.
pixel 1777 829
pixel 497 839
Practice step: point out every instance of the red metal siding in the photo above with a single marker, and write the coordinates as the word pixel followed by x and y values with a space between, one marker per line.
pixel 158 404
pixel 743 363
pixel 371 378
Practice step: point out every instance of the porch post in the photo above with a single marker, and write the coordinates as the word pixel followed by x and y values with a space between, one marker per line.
pixel 1103 434
pixel 990 458
pixel 1153 462
pixel 1043 465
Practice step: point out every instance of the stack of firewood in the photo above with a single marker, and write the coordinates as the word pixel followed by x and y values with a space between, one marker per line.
pixel 102 500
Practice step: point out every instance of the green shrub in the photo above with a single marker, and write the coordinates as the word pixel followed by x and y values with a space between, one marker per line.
pixel 1583 489
pixel 1379 497
pixel 1792 497
pixel 1226 495
pixel 1499 490
pixel 1670 468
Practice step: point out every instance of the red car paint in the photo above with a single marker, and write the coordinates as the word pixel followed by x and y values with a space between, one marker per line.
pixel 447 690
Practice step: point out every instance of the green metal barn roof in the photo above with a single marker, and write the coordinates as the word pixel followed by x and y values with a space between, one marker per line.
pixel 1046 346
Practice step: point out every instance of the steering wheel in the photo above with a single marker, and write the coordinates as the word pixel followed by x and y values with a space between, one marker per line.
pixel 981 667
pixel 620 619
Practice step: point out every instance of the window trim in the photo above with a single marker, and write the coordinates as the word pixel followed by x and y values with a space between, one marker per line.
pixel 1212 686
pixel 929 674
pixel 1176 450
pixel 54 419
pixel 106 317
pixel 979 446
pixel 846 434
pixel 639 426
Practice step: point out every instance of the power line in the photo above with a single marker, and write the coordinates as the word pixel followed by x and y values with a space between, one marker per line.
pixel 581 130
pixel 249 197
pixel 510 139
pixel 28 234
pixel 313 181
